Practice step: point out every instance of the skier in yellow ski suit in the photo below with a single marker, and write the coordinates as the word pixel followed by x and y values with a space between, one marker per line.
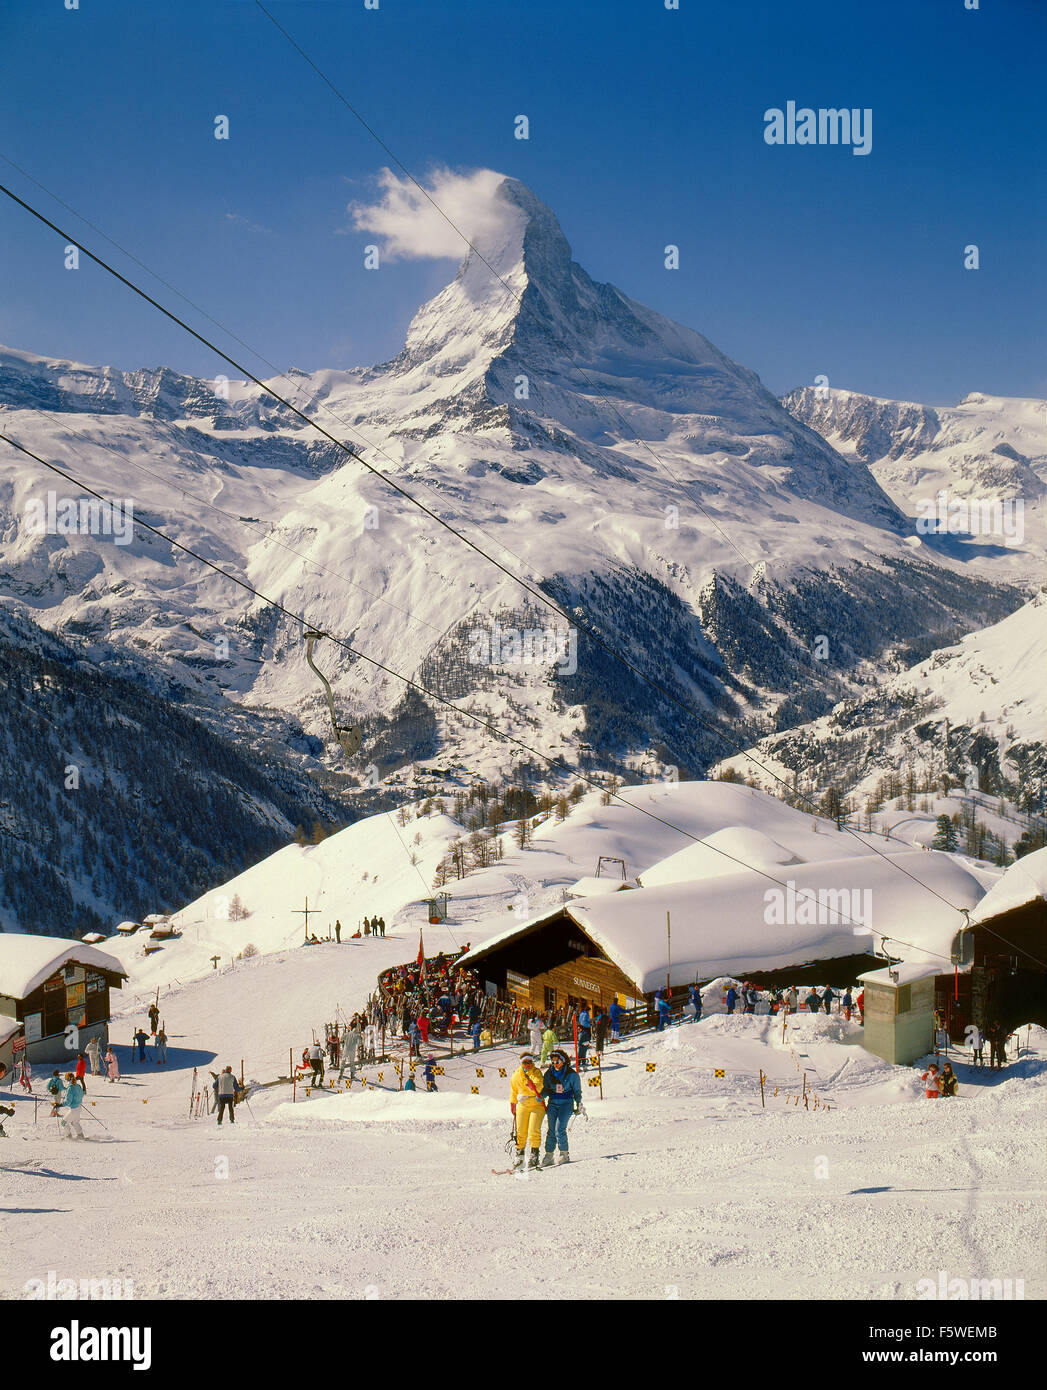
pixel 525 1101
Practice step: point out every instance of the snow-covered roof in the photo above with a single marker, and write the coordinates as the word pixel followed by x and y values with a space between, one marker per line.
pixel 745 923
pixel 590 887
pixel 1023 882
pixel 92 938
pixel 27 961
pixel 126 928
pixel 723 852
pixel 8 1028
pixel 904 973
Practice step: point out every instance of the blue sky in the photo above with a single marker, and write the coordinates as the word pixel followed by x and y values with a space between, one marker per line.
pixel 646 129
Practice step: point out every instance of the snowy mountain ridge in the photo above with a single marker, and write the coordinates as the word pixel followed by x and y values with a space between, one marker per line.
pixel 514 418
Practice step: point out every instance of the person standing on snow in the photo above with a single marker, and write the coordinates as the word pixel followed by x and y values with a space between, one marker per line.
pixel 664 1013
pixel 859 1004
pixel 429 1072
pixel 997 1051
pixel 93 1051
pixel 549 1041
pixel 827 998
pixel 54 1090
pixel 161 1048
pixel 80 1071
pixel 112 1066
pixel 536 1035
pixel 695 996
pixel 562 1093
pixel 225 1091
pixel 528 1109
pixel 614 1015
pixel 731 998
pixel 474 1033
pixel 599 1030
pixel 316 1062
pixel 813 1001
pixel 949 1084
pixel 72 1099
pixel 585 1032
pixel 154 1017
pixel 350 1051
pixel 140 1039
pixel 847 1004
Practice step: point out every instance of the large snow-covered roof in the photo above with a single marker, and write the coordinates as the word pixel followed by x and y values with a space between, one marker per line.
pixel 732 924
pixel 8 1028
pixel 718 854
pixel 27 961
pixel 1023 882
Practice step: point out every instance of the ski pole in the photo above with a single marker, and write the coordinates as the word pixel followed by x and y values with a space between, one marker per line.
pixel 97 1120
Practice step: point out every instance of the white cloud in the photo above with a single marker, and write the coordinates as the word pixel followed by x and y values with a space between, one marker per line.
pixel 412 228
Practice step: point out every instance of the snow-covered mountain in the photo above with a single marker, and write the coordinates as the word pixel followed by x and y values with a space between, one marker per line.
pixel 987 447
pixel 975 712
pixel 117 799
pixel 615 457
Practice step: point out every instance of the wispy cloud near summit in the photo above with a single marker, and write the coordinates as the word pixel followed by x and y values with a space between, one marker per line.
pixel 410 226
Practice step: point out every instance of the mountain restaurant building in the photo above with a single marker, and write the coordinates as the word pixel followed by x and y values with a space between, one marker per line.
pixel 49 984
pixel 1002 958
pixel 628 945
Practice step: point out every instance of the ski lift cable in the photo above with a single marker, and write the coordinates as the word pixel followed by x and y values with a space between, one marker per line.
pixel 556 764
pixel 537 593
pixel 506 286
pixel 317 403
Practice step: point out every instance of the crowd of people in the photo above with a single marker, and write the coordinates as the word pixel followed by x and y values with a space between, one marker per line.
pixel 789 1000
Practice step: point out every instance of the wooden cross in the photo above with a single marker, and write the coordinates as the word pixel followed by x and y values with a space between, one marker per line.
pixel 306 912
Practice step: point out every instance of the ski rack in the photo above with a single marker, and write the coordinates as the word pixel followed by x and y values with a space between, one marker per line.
pixel 349 736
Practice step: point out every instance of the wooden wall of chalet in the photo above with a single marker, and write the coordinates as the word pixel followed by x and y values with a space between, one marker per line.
pixel 75 994
pixel 558 962
pixel 588 978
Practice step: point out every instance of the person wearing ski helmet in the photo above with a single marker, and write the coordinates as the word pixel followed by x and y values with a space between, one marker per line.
pixel 528 1108
pixel 562 1093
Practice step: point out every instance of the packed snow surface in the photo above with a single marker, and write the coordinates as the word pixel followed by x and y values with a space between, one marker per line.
pixel 681 1184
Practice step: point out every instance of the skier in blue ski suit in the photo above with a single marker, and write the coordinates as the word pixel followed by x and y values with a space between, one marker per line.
pixel 696 1001
pixel 562 1093
pixel 614 1013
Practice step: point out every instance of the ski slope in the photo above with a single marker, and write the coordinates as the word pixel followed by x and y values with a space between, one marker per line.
pixel 681 1185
